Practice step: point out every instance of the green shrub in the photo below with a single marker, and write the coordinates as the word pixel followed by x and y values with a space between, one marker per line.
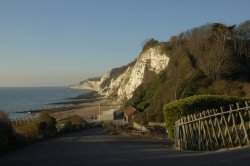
pixel 44 126
pixel 71 123
pixel 195 104
pixel 157 130
pixel 110 128
pixel 224 87
pixel 29 132
pixel 126 127
pixel 64 126
pixel 6 131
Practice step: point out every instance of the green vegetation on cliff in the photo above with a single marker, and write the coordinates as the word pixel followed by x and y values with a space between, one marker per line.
pixel 211 59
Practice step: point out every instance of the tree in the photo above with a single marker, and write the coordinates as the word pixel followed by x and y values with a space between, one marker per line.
pixel 221 33
pixel 243 36
pixel 244 30
pixel 149 43
pixel 215 58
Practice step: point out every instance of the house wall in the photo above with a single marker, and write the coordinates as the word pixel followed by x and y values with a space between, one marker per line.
pixel 139 127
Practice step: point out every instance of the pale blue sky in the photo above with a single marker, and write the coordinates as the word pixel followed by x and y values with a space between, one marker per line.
pixel 60 42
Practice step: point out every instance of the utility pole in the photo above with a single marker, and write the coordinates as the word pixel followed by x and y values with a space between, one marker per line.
pixel 99 111
pixel 147 115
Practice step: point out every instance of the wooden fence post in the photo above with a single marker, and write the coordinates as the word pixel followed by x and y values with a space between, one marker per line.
pixel 246 138
pixel 177 134
pixel 226 128
pixel 199 131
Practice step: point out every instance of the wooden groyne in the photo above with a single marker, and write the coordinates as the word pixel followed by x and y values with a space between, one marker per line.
pixel 49 108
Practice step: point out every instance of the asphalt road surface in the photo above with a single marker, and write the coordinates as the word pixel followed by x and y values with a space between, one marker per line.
pixel 93 148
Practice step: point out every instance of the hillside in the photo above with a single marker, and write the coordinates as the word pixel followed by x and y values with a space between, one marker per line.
pixel 211 59
pixel 120 83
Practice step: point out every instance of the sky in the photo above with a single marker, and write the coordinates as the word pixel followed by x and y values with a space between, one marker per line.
pixel 61 42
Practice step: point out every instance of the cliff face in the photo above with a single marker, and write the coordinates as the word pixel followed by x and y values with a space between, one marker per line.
pixel 121 82
pixel 91 84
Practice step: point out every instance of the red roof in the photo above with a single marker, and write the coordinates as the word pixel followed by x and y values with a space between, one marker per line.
pixel 130 111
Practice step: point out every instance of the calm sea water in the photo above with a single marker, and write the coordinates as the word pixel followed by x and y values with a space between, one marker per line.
pixel 19 99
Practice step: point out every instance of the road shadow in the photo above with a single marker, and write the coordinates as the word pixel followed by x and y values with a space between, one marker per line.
pixel 93 147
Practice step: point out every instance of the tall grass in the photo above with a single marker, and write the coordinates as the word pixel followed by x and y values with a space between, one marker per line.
pixel 6 131
pixel 15 136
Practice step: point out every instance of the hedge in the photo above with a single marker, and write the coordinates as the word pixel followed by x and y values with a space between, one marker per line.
pixel 195 104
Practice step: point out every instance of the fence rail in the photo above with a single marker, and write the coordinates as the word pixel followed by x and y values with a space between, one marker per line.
pixel 214 129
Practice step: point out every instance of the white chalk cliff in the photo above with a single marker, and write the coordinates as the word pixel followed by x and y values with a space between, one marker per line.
pixel 122 82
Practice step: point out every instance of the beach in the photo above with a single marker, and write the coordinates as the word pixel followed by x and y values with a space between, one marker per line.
pixel 88 111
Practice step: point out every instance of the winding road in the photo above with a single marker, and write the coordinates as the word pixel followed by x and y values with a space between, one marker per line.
pixel 93 148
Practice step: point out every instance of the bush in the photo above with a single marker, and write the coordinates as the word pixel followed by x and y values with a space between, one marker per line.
pixel 6 131
pixel 72 123
pixel 29 132
pixel 110 128
pixel 224 87
pixel 64 126
pixel 126 127
pixel 157 130
pixel 46 126
pixel 42 127
pixel 195 104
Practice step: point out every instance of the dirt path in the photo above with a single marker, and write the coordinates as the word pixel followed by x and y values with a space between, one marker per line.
pixel 92 147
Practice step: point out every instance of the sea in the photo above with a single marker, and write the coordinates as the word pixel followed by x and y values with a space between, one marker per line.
pixel 14 100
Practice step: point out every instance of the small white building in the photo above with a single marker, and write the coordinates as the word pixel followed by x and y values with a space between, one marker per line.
pixel 107 115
